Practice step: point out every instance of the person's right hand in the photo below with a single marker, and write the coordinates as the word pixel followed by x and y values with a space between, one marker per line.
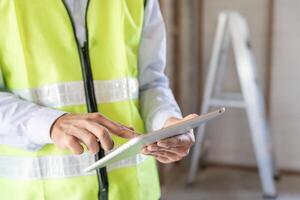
pixel 70 131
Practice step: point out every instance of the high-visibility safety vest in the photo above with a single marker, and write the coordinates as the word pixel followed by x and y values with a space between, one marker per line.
pixel 40 62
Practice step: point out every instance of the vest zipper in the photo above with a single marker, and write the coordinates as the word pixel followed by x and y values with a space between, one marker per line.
pixel 88 81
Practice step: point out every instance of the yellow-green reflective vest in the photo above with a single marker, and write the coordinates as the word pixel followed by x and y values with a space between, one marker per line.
pixel 40 63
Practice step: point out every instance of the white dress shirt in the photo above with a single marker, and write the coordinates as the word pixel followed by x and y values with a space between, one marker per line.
pixel 26 125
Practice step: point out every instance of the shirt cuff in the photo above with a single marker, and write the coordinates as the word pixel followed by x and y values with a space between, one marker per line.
pixel 40 123
pixel 159 118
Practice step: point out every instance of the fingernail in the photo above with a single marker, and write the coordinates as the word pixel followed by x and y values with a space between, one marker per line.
pixel 162 144
pixel 152 148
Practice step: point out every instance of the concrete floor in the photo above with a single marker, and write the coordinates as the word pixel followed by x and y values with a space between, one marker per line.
pixel 217 183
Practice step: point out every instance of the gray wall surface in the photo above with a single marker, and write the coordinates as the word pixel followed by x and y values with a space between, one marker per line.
pixel 229 138
pixel 275 34
pixel 285 90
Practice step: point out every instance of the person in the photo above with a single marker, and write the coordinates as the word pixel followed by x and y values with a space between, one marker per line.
pixel 47 137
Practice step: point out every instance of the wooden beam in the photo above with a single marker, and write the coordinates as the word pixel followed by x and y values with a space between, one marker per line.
pixel 200 20
pixel 177 49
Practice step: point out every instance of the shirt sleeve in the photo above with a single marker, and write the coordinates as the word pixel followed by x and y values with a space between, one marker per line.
pixel 24 124
pixel 157 100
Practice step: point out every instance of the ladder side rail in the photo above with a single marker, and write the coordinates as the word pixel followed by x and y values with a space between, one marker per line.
pixel 255 115
pixel 212 70
pixel 215 60
pixel 222 63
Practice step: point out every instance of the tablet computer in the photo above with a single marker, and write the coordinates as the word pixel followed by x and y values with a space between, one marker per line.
pixel 135 145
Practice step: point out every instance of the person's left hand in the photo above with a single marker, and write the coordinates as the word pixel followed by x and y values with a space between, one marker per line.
pixel 172 149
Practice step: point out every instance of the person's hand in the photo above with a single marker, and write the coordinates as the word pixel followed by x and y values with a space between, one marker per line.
pixel 172 149
pixel 71 131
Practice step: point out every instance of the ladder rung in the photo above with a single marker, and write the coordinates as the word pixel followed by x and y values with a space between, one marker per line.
pixel 227 103
pixel 231 96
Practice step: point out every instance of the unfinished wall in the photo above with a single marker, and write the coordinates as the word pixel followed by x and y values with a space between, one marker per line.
pixel 285 112
pixel 275 31
pixel 229 138
pixel 184 51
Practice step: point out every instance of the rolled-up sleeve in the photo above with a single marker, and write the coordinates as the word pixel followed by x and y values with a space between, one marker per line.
pixel 157 100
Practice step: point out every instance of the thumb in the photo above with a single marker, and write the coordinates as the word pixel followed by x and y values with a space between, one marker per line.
pixel 191 116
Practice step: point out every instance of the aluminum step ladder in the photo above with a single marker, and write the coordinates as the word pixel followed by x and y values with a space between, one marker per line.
pixel 232 29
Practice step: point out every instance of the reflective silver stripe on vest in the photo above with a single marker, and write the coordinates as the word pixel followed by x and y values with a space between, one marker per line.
pixel 72 93
pixel 48 167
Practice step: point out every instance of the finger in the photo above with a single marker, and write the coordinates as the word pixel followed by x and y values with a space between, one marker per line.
pixel 171 156
pixel 191 116
pixel 129 127
pixel 114 127
pixel 145 151
pixel 101 133
pixel 162 158
pixel 177 121
pixel 177 141
pixel 87 138
pixel 105 139
pixel 180 151
pixel 152 147
pixel 72 144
